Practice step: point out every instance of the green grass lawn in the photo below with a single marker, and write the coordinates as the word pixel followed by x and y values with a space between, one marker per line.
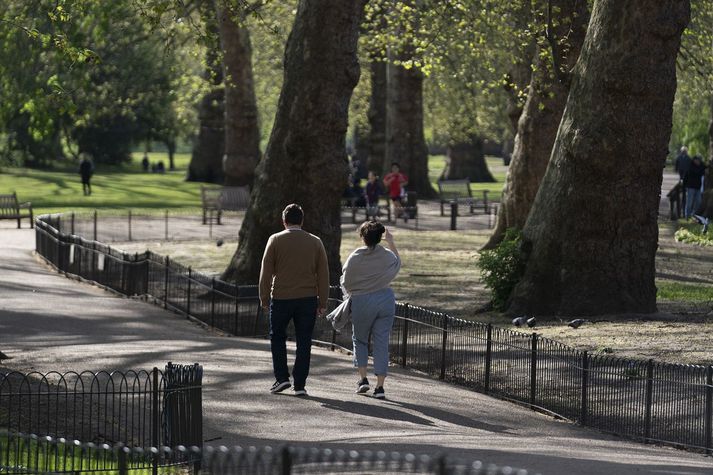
pixel 127 186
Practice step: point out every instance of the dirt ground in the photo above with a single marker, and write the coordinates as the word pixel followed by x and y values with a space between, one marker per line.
pixel 440 272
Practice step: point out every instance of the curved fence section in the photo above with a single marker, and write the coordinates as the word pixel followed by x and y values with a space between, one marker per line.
pixel 137 408
pixel 29 454
pixel 646 400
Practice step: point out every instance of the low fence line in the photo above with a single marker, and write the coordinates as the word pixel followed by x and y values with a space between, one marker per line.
pixel 645 400
pixel 29 454
pixel 138 408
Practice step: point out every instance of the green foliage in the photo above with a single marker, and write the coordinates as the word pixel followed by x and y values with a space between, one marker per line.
pixel 503 267
pixel 693 234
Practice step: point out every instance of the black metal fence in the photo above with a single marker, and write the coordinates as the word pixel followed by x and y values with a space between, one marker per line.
pixel 137 408
pixel 29 454
pixel 646 400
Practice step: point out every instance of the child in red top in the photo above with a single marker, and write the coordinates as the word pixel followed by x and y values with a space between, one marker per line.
pixel 394 182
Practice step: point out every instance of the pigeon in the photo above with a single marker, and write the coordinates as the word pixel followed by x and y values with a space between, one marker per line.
pixel 219 242
pixel 519 321
pixel 522 321
pixel 3 356
pixel 577 322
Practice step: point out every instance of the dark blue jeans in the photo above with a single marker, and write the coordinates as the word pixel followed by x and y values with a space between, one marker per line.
pixel 303 313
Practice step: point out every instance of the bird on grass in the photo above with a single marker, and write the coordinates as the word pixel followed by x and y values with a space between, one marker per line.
pixel 522 321
pixel 576 323
pixel 3 356
pixel 219 242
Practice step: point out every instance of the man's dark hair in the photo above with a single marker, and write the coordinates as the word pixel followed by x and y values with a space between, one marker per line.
pixel 395 164
pixel 293 214
pixel 371 232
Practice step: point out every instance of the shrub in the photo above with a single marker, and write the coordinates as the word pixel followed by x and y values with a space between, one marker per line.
pixel 502 268
pixel 694 235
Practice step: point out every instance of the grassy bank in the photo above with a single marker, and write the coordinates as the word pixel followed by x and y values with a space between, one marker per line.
pixel 127 186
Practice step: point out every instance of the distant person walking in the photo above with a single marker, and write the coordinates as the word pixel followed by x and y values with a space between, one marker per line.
pixel 683 163
pixel 145 163
pixel 373 192
pixel 294 285
pixel 693 181
pixel 86 170
pixel 366 277
pixel 395 182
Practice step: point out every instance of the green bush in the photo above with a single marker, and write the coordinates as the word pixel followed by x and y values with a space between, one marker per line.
pixel 502 268
pixel 693 234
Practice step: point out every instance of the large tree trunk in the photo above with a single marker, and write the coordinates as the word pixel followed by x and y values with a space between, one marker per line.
pixel 305 161
pixel 242 133
pixel 590 241
pixel 467 160
pixel 707 200
pixel 405 142
pixel 377 117
pixel 207 158
pixel 540 119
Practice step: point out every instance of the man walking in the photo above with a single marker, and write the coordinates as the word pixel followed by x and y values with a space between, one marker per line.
pixel 86 170
pixel 294 285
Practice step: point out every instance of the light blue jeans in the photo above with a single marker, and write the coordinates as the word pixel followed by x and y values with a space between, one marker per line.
pixel 693 201
pixel 373 313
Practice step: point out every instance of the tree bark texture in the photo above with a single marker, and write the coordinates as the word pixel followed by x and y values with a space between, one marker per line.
pixel 467 160
pixel 207 158
pixel 591 237
pixel 377 117
pixel 405 142
pixel 242 132
pixel 539 121
pixel 707 199
pixel 306 161
pixel 521 71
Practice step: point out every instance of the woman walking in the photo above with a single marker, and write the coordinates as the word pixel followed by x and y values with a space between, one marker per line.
pixel 366 276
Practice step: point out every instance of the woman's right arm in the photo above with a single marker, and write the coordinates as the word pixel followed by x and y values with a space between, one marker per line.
pixel 389 238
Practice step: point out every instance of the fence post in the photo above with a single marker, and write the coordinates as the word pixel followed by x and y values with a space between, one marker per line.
pixel 649 399
pixel 121 460
pixel 441 465
pixel 404 337
pixel 212 302
pixel 188 295
pixel 488 355
pixel 95 225
pixel 486 205
pixel 708 423
pixel 165 226
pixel 165 282
pixel 443 346
pixel 237 308
pixel 129 225
pixel 533 370
pixel 154 421
pixel 585 388
pixel 72 224
pixel 454 214
pixel 285 461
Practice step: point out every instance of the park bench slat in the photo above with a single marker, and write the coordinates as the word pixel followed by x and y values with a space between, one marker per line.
pixel 11 208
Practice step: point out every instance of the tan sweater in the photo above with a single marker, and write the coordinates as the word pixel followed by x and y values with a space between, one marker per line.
pixel 294 266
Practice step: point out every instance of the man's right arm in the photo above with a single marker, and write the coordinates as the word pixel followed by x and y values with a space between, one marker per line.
pixel 267 271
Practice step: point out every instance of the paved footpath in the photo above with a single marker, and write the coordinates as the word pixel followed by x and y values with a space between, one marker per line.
pixel 49 322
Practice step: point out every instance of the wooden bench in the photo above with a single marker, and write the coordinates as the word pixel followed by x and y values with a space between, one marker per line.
pixel 350 203
pixel 227 198
pixel 10 208
pixel 460 191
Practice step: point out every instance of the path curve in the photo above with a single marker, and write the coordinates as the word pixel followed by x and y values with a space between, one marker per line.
pixel 49 322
